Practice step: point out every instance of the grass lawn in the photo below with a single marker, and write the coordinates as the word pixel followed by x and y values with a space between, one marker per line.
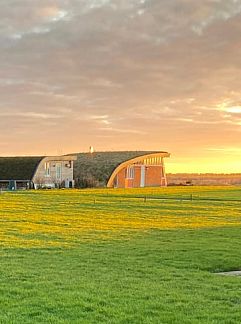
pixel 120 256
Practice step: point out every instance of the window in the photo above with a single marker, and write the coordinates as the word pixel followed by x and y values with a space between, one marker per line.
pixel 58 171
pixel 47 169
pixel 130 171
pixel 153 161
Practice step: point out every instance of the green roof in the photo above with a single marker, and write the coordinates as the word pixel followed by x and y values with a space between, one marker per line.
pixel 95 169
pixel 18 168
pixel 90 169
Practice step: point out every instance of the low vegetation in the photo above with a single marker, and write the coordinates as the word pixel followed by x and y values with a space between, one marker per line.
pixel 94 169
pixel 120 256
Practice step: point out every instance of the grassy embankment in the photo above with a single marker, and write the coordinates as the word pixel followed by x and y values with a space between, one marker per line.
pixel 99 256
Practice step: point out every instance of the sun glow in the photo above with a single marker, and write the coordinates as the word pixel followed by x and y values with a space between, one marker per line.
pixel 234 109
pixel 227 106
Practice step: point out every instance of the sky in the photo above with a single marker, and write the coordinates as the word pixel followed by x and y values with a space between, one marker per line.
pixel 158 75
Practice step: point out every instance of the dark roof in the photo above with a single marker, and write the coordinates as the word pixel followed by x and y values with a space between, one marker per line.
pixel 89 170
pixel 95 169
pixel 18 168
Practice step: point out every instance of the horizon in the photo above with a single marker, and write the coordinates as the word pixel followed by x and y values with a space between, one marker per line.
pixel 155 76
pixel 168 167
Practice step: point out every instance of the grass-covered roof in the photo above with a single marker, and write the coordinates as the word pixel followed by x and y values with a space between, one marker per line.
pixel 18 168
pixel 89 170
pixel 95 169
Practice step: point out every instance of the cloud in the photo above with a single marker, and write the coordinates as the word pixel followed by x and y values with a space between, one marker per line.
pixel 155 71
pixel 228 150
pixel 29 114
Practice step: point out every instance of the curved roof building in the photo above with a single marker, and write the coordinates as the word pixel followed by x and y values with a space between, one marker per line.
pixel 29 172
pixel 97 169
pixel 120 169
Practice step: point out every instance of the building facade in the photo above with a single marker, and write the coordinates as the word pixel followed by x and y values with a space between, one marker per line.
pixel 36 172
pixel 123 169
pixel 55 172
pixel 143 171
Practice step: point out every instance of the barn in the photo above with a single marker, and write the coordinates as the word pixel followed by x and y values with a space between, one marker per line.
pixel 36 172
pixel 126 169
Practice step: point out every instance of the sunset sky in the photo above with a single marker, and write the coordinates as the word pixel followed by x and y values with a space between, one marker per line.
pixel 123 75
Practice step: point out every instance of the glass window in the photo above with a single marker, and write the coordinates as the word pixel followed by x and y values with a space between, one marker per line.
pixel 58 171
pixel 47 169
pixel 130 172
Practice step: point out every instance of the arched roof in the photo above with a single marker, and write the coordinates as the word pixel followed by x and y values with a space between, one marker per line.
pixel 132 161
pixel 18 168
pixel 97 168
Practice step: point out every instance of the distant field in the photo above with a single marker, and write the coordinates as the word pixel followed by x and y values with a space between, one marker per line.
pixel 120 256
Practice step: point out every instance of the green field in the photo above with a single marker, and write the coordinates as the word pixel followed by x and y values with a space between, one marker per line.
pixel 120 256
